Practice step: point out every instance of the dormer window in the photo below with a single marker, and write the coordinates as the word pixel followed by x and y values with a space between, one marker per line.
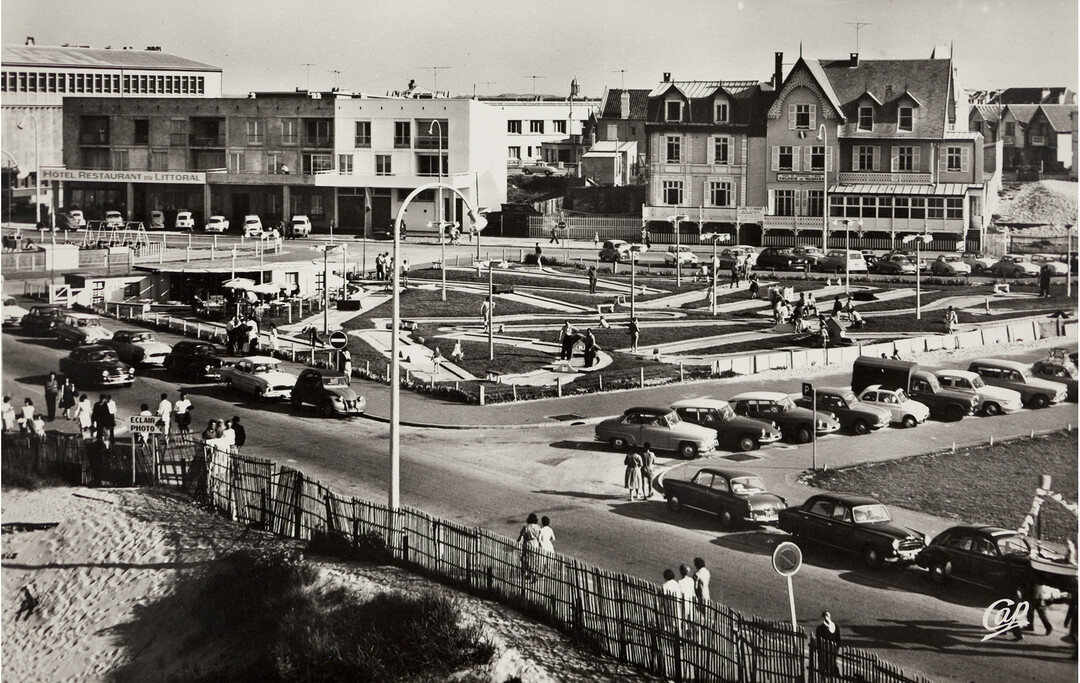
pixel 673 110
pixel 721 112
pixel 905 118
pixel 866 118
pixel 802 116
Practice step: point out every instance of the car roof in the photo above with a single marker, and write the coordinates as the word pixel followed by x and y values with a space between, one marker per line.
pixel 759 396
pixel 848 498
pixel 648 410
pixel 94 347
pixel 261 359
pixel 323 372
pixel 983 528
pixel 74 314
pixel 957 373
pixel 699 403
pixel 1000 363
pixel 217 216
pixel 881 387
pixel 728 472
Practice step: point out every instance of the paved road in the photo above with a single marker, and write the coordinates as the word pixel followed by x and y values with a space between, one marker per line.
pixel 494 477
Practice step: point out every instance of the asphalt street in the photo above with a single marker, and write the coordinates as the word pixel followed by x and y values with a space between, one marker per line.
pixel 495 477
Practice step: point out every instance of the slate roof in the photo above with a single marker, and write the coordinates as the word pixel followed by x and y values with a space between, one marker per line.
pixel 42 55
pixel 1034 95
pixel 611 107
pixel 890 81
pixel 748 103
pixel 1058 116
pixel 991 113
pixel 1022 113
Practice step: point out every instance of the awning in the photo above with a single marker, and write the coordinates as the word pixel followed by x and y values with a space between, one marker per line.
pixel 239 283
pixel 939 190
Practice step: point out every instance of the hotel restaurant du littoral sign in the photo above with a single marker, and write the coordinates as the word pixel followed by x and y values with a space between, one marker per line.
pixel 100 176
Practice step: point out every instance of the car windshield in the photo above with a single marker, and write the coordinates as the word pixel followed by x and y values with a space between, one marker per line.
pixel 746 485
pixel 201 350
pixel 89 322
pixel 869 514
pixel 143 337
pixel 335 381
pixel 101 356
pixel 298 221
pixel 726 413
pixel 901 396
pixel 785 404
pixel 672 418
pixel 1013 545
pixel 952 259
pixel 977 382
pixel 252 221
pixel 849 398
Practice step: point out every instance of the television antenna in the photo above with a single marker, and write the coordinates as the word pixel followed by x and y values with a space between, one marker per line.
pixel 858 26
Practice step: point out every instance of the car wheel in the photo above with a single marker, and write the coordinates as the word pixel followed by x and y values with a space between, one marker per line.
pixel 295 402
pixel 548 174
pixel 860 427
pixel 954 413
pixel 618 443
pixel 526 171
pixel 991 409
pixel 1017 272
pixel 839 270
pixel 674 504
pixel 1040 401
pixel 326 409
pixel 804 435
pixel 747 443
pixel 726 518
pixel 688 450
pixel 872 557
pixel 939 572
pixel 909 421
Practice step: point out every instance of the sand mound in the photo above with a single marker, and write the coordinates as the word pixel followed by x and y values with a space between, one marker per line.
pixel 1049 202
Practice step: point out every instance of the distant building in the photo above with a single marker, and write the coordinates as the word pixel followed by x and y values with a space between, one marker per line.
pixel 1042 139
pixel 1048 95
pixel 621 118
pixel 530 122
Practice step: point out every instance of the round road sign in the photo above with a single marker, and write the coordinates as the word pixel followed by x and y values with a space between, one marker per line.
pixel 787 559
pixel 338 340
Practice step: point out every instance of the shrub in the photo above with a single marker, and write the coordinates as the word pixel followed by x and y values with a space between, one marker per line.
pixel 367 547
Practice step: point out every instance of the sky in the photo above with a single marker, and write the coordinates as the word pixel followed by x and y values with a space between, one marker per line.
pixel 496 46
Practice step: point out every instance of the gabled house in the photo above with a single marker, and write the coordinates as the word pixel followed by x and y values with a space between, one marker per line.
pixel 986 119
pixel 621 119
pixel 1014 131
pixel 1043 137
pixel 1048 95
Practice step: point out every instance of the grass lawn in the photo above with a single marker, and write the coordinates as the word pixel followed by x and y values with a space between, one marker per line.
pixel 428 303
pixel 983 485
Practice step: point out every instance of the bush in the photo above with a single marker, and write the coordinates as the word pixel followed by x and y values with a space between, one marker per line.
pixel 369 547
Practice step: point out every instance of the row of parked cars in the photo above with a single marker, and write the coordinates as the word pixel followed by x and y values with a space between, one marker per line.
pixel 103 358
pixel 299 226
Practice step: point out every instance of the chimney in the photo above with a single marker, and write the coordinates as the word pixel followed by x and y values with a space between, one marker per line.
pixel 30 40
pixel 667 76
pixel 854 59
pixel 624 104
pixel 778 70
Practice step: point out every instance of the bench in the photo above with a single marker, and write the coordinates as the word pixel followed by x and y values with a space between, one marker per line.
pixel 1001 288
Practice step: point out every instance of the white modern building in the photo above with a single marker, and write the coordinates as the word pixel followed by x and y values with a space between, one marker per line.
pixel 529 123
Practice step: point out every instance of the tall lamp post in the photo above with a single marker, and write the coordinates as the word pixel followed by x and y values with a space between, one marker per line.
pixel 439 207
pixel 847 252
pixel 714 237
pixel 326 250
pixel 17 174
pixel 919 240
pixel 635 249
pixel 37 165
pixel 675 220
pixel 823 136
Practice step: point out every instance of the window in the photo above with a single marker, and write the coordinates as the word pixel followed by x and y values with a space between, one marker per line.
pixel 428 164
pixel 142 131
pixel 954 207
pixel 905 118
pixel 120 160
pixel 673 110
pixel 722 150
pixel 159 161
pixel 673 192
pixel 935 207
pixel 817 158
pixel 536 126
pixel 345 164
pixel 254 132
pixel 673 145
pixel 918 208
pixel 236 162
pixel 513 127
pixel 720 194
pixel 402 134
pixel 869 207
pixel 177 132
pixel 513 153
pixel 784 158
pixel 612 131
pixel 784 203
pixel 904 159
pixel 290 132
pixel 273 204
pixel 721 112
pixel 273 162
pixel 802 116
pixel 865 158
pixel 382 164
pixel 884 207
pixel 1010 128
pixel 814 202
pixel 866 118
pixel 560 126
pixel 901 207
pixel 317 208
pixel 312 163
pixel 363 134
pixel 954 159
pixel 318 132
pixel 851 207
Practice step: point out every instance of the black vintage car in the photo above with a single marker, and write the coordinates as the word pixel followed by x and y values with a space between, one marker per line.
pixel 96 365
pixel 854 415
pixel 779 258
pixel 855 524
pixel 328 391
pixel 194 360
pixel 735 496
pixel 733 431
pixel 42 320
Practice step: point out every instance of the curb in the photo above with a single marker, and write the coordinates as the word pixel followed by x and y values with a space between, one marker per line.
pixel 527 425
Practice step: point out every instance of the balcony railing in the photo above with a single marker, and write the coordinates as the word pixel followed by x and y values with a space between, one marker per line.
pixel 318 141
pixel 1038 140
pixel 885 178
pixel 794 222
pixel 196 140
pixel 94 139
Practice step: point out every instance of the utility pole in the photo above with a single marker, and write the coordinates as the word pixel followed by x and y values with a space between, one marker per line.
pixel 858 26
pixel 435 70
pixel 307 86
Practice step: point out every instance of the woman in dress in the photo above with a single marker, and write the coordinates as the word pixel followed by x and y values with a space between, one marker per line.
pixel 68 397
pixel 83 415
pixel 547 535
pixel 633 475
pixel 529 538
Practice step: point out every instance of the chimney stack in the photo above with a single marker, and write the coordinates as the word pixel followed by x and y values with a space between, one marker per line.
pixel 854 59
pixel 30 40
pixel 778 70
pixel 667 76
pixel 624 104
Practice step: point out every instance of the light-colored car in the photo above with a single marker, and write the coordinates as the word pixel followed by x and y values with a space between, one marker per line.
pixel 13 312
pixel 216 224
pixel 300 226
pixel 992 400
pixel 114 220
pixel 253 226
pixel 157 220
pixel 661 428
pixel 978 262
pixel 905 411
pixel 184 221
pixel 1057 266
pixel 735 256
pixel 894 264
pixel 680 253
pixel 543 168
pixel 949 265
pixel 1014 265
pixel 260 376
pixel 614 251
pixel 1011 374
pixel 78 219
pixel 82 328
pixel 834 262
pixel 139 347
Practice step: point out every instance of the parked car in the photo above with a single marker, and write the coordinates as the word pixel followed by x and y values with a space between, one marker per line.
pixel 139 347
pixel 81 328
pixel 854 524
pixel 13 312
pixel 42 320
pixel 919 384
pixel 96 365
pixel 735 496
pixel 913 255
pixel 904 410
pixel 978 262
pixel 949 265
pixel 854 415
pixel 1057 266
pixel 661 428
pixel 734 431
pixel 1010 374
pixel 794 422
pixel 834 262
pixel 1056 370
pixel 114 220
pixel 870 257
pixel 1014 265
pixel 992 400
pixel 810 253
pixel 614 251
pixel 328 391
pixel 184 221
pixel 893 264
pixel 77 218
pixel 683 254
pixel 253 226
pixel 780 258
pixel 543 168
pixel 218 224
pixel 989 556
pixel 260 376
pixel 300 226
pixel 733 256
pixel 157 221
pixel 195 360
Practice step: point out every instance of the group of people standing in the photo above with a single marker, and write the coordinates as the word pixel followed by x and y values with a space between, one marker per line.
pixel 691 586
pixel 242 335
pixel 639 472
pixel 536 534
pixel 384 268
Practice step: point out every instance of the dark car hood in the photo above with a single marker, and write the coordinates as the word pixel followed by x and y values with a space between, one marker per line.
pixel 345 393
pixel 109 365
pixel 743 422
pixel 761 500
pixel 893 530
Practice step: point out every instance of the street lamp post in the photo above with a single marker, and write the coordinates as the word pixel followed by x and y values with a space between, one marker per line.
pixel 635 249
pixel 847 253
pixel 37 166
pixel 326 249
pixel 714 237
pixel 675 220
pixel 919 240
pixel 491 312
pixel 823 135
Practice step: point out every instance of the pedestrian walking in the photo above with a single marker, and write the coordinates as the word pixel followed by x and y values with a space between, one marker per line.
pixel 529 538
pixel 1038 596
pixel 68 397
pixel 592 279
pixel 1045 276
pixel 671 588
pixel 687 590
pixel 252 336
pixel 456 354
pixel 754 286
pixel 596 239
pixel 182 409
pixel 380 267
pixel 110 405
pixel 26 416
pixel 84 416
pixel 648 461
pixel 239 433
pixel 701 580
pixel 52 392
pixel 634 334
pixel 9 420
pixel 633 474
pixel 951 319
pixel 547 535
pixel 27 604
pixel 554 235
pixel 837 306
pixel 485 310
pixel 101 416
pixel 274 343
pixel 164 415
pixel 436 363
pixel 734 275
pixel 539 256
pixel 827 646
pixel 405 273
